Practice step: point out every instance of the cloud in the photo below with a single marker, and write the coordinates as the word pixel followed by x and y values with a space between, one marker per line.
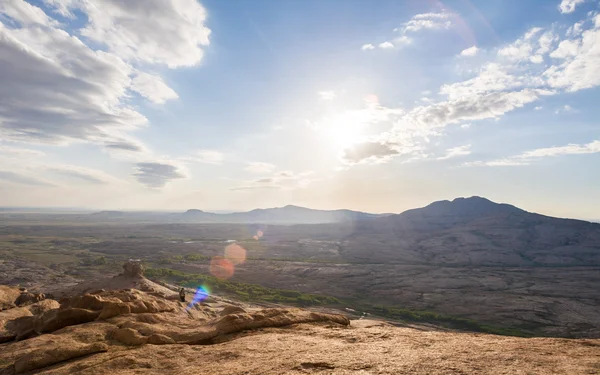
pixel 19 152
pixel 157 175
pixel 367 47
pixel 169 32
pixel 471 108
pixel 568 6
pixel 471 51
pixel 578 67
pixel 285 180
pixel 456 151
pixel 124 145
pixel 82 174
pixel 565 109
pixel 425 21
pixel 56 90
pixel 327 95
pixel 210 157
pixel 255 187
pixel 259 167
pixel 418 23
pixel 18 178
pixel 366 152
pixel 570 149
pixel 528 157
pixel 152 87
pixel 24 13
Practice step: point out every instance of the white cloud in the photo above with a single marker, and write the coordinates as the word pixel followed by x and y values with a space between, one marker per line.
pixel 327 95
pixel 24 13
pixel 579 62
pixel 570 149
pixel 456 152
pixel 367 47
pixel 465 126
pixel 157 174
pixel 539 107
pixel 470 108
pixel 369 152
pixel 386 45
pixel 566 49
pixel 568 6
pixel 528 157
pixel 425 21
pixel 170 32
pixel 575 30
pixel 565 109
pixel 259 167
pixel 57 90
pixel 152 87
pixel 471 51
pixel 210 157
pixel 536 59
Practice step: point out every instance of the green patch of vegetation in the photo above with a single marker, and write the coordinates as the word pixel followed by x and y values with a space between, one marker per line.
pixel 245 292
pixel 256 293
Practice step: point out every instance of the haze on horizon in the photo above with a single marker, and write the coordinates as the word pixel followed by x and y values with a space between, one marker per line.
pixel 376 107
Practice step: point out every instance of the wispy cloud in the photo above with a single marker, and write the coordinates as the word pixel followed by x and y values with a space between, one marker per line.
pixel 157 175
pixel 18 178
pixel 456 152
pixel 259 167
pixel 531 156
pixel 471 51
pixel 568 6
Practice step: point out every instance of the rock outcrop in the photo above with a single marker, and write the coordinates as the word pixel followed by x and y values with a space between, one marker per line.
pixel 133 269
pixel 114 320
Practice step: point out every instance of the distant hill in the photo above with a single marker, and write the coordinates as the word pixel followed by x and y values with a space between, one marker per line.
pixel 279 215
pixel 476 231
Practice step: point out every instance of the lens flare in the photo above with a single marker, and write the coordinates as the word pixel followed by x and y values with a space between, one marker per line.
pixel 221 268
pixel 201 294
pixel 235 254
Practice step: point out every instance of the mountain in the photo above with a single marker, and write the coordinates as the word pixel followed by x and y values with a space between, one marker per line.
pixel 477 231
pixel 280 215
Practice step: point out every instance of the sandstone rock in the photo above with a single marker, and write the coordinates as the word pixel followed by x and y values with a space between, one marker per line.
pixel 133 269
pixel 26 298
pixel 43 306
pixel 231 309
pixel 8 297
pixel 46 357
pixel 159 339
pixel 59 318
pixel 128 336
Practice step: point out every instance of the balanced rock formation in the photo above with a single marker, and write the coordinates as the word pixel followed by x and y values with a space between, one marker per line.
pixel 133 269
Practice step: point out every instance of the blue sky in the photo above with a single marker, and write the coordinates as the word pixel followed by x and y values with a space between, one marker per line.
pixel 375 106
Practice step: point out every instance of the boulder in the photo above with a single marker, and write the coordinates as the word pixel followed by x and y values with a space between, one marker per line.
pixel 133 269
pixel 26 298
pixel 231 309
pixel 8 297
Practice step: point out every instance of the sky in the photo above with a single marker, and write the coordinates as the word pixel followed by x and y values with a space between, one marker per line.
pixel 378 106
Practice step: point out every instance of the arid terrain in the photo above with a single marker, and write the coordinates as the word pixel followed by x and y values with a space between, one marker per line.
pixel 132 325
pixel 493 265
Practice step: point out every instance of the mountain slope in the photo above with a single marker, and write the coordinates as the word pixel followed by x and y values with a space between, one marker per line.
pixel 469 231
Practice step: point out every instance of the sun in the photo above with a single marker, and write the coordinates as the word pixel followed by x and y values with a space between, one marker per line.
pixel 344 129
